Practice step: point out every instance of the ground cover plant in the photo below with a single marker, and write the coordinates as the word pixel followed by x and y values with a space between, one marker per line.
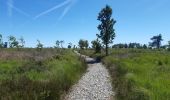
pixel 140 74
pixel 28 74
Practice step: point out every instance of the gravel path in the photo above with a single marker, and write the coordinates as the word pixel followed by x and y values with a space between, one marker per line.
pixel 94 85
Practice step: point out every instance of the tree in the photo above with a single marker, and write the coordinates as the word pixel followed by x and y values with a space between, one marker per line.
pixel 107 33
pixel 39 45
pixel 125 45
pixel 5 44
pixel 13 42
pixel 81 44
pixel 69 45
pixel 57 44
pixel 96 45
pixel 156 41
pixel 86 44
pixel 145 46
pixel 131 45
pixel 22 41
pixel 168 45
pixel 1 41
pixel 120 45
pixel 74 47
pixel 61 43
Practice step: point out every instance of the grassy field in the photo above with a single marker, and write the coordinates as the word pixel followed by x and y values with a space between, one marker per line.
pixel 28 74
pixel 140 74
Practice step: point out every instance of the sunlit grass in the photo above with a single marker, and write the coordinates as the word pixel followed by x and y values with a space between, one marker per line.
pixel 44 76
pixel 140 75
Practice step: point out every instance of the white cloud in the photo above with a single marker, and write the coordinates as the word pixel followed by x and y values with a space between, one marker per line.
pixel 67 3
pixel 67 9
pixel 11 7
pixel 52 9
pixel 21 12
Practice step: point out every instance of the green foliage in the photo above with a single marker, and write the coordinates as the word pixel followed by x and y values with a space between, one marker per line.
pixel 69 45
pixel 22 42
pixel 120 45
pixel 86 44
pixel 130 45
pixel 61 43
pixel 107 33
pixel 57 44
pixel 39 45
pixel 96 45
pixel 168 45
pixel 140 74
pixel 83 44
pixel 1 41
pixel 13 42
pixel 156 41
pixel 145 46
pixel 32 75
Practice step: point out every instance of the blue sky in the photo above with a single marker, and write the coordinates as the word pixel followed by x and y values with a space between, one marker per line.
pixel 71 20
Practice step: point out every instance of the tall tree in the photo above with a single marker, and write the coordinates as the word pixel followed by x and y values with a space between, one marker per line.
pixel 156 41
pixel 107 32
pixel 1 41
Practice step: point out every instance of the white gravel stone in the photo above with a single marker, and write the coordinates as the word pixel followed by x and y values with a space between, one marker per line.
pixel 94 85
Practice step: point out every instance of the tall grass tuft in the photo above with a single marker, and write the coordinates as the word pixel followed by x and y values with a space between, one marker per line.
pixel 140 74
pixel 32 75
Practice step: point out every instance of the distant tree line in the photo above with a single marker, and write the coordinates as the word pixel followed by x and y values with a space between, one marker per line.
pixel 13 42
pixel 154 44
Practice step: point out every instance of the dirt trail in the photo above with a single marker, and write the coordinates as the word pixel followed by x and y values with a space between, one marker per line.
pixel 94 85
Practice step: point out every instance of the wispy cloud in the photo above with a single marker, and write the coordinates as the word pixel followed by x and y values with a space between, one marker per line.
pixel 67 9
pixel 11 7
pixel 67 3
pixel 53 8
pixel 21 11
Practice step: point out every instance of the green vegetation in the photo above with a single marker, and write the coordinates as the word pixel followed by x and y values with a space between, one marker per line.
pixel 140 74
pixel 30 75
pixel 156 41
pixel 107 32
pixel 139 71
pixel 39 45
pixel 83 44
pixel 96 45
